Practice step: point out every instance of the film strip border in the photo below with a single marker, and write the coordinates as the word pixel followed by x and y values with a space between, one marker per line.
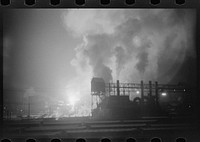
pixel 99 3
pixel 102 4
pixel 154 139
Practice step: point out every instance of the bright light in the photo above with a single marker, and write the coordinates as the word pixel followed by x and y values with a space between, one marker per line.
pixel 164 94
pixel 72 96
pixel 73 100
pixel 137 92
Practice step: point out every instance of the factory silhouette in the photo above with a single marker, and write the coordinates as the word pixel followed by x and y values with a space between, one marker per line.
pixel 113 100
pixel 110 101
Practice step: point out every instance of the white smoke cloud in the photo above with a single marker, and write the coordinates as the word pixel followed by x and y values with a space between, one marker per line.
pixel 130 45
pixel 90 21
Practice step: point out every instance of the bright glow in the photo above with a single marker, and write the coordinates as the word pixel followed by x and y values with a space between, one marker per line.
pixel 72 96
pixel 73 100
pixel 137 92
pixel 164 94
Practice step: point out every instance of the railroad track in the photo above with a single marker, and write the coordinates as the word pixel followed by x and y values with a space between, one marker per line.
pixel 92 129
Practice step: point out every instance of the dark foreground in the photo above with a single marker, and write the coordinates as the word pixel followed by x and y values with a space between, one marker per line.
pixel 69 129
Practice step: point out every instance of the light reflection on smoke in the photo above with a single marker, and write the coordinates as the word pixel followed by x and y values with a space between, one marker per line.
pixel 129 45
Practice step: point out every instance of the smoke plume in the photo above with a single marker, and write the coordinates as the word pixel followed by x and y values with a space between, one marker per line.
pixel 131 45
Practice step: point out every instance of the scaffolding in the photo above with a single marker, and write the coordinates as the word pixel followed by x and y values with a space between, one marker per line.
pixel 148 92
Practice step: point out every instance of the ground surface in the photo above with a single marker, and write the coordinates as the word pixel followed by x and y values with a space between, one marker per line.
pixel 68 129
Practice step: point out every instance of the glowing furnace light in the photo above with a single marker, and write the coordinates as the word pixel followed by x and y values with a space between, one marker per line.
pixel 164 94
pixel 137 92
pixel 73 100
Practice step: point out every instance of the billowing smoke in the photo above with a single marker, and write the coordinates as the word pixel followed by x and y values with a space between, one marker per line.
pixel 143 57
pixel 121 58
pixel 98 52
pixel 130 45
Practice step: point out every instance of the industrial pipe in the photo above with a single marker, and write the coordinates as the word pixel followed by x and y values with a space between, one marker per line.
pixel 118 90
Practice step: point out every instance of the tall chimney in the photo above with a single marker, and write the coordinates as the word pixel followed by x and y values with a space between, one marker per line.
pixel 118 90
pixel 142 91
pixel 156 89
pixel 150 89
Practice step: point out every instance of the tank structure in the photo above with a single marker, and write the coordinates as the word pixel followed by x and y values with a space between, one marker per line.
pixel 132 100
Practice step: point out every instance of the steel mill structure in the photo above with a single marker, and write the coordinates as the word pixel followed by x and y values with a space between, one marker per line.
pixel 113 100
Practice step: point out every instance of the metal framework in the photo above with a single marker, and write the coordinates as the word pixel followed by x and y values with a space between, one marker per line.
pixel 146 90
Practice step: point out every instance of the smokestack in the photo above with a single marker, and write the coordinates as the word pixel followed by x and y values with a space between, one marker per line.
pixel 150 89
pixel 118 91
pixel 156 89
pixel 109 88
pixel 142 91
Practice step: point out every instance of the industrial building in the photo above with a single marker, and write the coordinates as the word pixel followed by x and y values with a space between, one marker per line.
pixel 131 100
